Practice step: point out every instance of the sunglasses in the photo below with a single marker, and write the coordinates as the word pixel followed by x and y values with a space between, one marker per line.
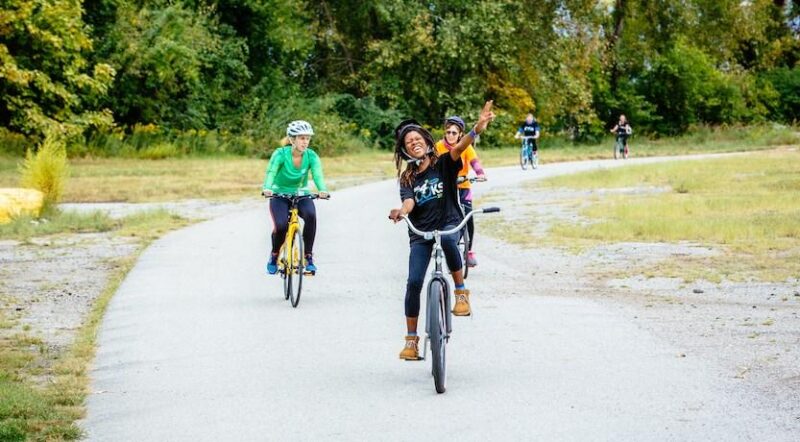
pixel 451 132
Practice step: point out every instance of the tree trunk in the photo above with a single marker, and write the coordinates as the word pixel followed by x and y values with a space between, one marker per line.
pixel 619 20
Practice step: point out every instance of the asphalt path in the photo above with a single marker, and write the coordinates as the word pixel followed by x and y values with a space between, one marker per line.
pixel 199 344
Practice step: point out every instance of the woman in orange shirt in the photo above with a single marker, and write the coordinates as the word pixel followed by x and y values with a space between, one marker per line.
pixel 453 131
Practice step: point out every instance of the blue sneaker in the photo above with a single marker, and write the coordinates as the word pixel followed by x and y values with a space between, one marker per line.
pixel 310 267
pixel 272 265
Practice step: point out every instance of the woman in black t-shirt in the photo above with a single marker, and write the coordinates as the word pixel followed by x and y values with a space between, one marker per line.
pixel 429 196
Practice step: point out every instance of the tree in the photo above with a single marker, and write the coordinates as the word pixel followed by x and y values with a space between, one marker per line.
pixel 46 82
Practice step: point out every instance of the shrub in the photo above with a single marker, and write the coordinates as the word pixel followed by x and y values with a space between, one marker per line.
pixel 46 170
pixel 158 151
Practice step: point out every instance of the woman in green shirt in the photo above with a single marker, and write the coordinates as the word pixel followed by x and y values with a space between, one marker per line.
pixel 288 173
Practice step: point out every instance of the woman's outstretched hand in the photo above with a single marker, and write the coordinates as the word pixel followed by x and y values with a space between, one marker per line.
pixel 485 117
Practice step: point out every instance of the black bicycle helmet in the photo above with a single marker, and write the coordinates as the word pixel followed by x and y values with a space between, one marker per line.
pixel 402 130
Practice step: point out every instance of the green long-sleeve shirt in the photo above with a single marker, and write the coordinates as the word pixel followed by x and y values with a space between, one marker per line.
pixel 283 177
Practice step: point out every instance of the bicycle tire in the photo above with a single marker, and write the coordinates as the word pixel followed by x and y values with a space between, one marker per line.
pixel 297 268
pixel 616 150
pixel 284 272
pixel 464 246
pixel 437 334
pixel 523 158
pixel 534 160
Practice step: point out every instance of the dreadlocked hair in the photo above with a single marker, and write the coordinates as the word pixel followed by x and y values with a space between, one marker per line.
pixel 406 176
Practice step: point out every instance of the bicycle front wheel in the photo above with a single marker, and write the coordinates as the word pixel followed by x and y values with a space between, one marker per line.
pixel 463 246
pixel 523 159
pixel 283 266
pixel 616 150
pixel 437 312
pixel 296 268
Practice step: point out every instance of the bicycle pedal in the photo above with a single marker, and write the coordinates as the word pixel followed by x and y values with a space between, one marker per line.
pixel 309 273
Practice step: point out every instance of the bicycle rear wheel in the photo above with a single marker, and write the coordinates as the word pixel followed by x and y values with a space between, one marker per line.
pixel 437 333
pixel 296 268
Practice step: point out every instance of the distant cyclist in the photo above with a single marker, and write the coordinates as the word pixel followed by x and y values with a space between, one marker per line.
pixel 529 128
pixel 287 173
pixel 453 131
pixel 622 131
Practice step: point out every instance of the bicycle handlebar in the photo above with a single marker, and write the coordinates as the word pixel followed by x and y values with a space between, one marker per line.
pixel 430 235
pixel 474 179
pixel 297 196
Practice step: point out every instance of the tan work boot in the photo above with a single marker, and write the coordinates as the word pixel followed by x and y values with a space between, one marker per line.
pixel 411 350
pixel 462 303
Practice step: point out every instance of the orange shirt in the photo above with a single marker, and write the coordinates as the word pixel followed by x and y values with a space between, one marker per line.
pixel 466 158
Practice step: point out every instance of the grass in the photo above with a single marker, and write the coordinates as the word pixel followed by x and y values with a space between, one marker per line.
pixel 148 224
pixel 31 409
pixel 746 206
pixel 231 177
pixel 172 179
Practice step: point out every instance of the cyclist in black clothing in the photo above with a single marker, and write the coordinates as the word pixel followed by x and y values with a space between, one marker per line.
pixel 529 128
pixel 623 131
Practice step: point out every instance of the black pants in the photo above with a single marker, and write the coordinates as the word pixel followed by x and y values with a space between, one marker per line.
pixel 418 259
pixel 279 209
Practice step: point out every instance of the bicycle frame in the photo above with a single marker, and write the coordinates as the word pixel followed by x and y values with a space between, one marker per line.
pixel 527 144
pixel 294 224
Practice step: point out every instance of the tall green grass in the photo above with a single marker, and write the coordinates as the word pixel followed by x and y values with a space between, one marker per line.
pixel 46 169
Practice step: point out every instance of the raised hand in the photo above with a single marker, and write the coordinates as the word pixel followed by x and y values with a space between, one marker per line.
pixel 485 117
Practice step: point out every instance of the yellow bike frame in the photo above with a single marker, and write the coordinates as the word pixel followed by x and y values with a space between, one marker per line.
pixel 294 226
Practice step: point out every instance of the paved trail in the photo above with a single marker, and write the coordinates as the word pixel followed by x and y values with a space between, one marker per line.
pixel 198 344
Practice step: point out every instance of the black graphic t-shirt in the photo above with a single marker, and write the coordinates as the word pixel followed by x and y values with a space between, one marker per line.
pixel 435 196
pixel 623 130
pixel 528 129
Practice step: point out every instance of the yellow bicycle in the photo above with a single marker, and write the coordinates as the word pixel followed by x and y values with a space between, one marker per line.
pixel 291 258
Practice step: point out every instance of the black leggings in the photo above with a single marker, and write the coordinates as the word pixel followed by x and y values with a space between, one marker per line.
pixel 279 209
pixel 418 259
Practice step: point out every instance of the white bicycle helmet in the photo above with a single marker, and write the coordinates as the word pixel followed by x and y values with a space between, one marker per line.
pixel 299 127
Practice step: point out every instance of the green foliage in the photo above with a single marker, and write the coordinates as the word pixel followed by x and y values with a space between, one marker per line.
pixel 46 170
pixel 686 89
pixel 786 84
pixel 14 144
pixel 46 82
pixel 238 70
pixel 176 67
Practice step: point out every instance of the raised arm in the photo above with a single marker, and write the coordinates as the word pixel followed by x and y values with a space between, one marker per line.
pixel 484 118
